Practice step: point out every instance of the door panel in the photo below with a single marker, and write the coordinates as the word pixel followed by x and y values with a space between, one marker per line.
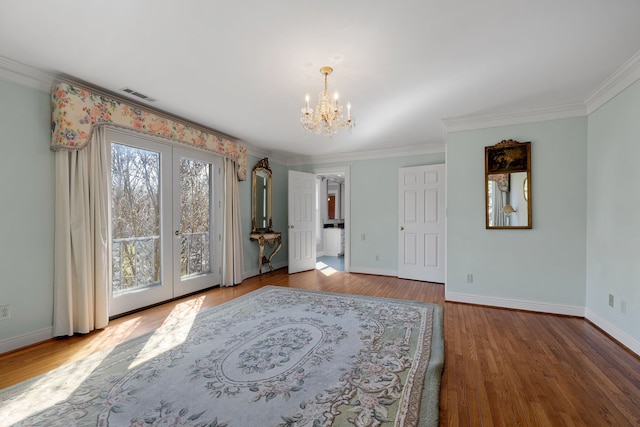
pixel 410 249
pixel 140 189
pixel 422 223
pixel 195 241
pixel 431 243
pixel 302 238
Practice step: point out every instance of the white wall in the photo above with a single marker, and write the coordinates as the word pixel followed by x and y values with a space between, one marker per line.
pixel 26 215
pixel 613 227
pixel 374 210
pixel 561 265
pixel 542 268
pixel 27 209
pixel 279 214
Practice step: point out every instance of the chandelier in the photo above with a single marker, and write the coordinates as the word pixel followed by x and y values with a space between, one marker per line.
pixel 328 117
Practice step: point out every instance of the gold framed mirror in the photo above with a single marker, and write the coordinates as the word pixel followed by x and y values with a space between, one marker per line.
pixel 508 185
pixel 261 178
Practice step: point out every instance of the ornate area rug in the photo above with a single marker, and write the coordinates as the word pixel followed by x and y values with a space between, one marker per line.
pixel 274 357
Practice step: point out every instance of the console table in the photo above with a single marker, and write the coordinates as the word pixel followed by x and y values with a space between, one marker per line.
pixel 272 238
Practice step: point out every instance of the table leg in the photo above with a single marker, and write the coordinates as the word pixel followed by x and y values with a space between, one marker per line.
pixel 261 256
pixel 278 241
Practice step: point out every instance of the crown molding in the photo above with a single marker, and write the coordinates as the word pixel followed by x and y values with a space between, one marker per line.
pixel 416 150
pixel 256 152
pixel 15 72
pixel 297 160
pixel 261 154
pixel 18 73
pixel 621 79
pixel 514 117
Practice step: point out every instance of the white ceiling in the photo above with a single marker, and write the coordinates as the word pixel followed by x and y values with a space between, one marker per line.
pixel 243 67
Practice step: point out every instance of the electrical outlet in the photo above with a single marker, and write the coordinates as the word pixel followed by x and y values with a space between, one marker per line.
pixel 377 257
pixel 5 311
pixel 610 300
pixel 362 237
pixel 623 306
pixel 469 278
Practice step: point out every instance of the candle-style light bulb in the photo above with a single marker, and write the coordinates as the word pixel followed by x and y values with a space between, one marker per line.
pixel 336 96
pixel 348 111
pixel 306 99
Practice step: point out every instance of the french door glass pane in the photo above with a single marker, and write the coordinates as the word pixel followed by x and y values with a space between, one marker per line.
pixel 195 217
pixel 135 222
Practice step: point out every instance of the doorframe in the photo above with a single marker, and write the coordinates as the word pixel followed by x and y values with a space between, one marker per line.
pixel 216 213
pixel 442 209
pixel 169 150
pixel 346 171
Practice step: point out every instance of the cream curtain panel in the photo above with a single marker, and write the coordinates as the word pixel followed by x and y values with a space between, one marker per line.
pixel 233 262
pixel 498 204
pixel 82 276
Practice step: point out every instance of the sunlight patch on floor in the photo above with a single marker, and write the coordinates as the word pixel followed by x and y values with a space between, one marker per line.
pixel 325 269
pixel 174 331
pixel 68 379
pixel 120 332
pixel 60 383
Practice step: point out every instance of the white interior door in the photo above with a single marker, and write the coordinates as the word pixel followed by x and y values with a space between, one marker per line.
pixel 302 233
pixel 421 217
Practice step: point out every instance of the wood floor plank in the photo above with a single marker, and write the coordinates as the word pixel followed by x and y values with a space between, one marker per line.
pixel 502 367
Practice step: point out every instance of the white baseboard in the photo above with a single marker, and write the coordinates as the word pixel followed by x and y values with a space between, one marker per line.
pixel 331 253
pixel 27 339
pixel 265 269
pixel 541 307
pixel 374 271
pixel 617 333
pixel 353 269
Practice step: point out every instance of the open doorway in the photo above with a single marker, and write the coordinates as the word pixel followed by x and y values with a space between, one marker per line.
pixel 332 213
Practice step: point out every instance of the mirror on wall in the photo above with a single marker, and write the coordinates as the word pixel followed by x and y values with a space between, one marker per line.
pixel 334 200
pixel 261 197
pixel 331 193
pixel 508 185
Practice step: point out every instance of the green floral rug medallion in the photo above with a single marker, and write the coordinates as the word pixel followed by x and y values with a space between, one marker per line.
pixel 275 357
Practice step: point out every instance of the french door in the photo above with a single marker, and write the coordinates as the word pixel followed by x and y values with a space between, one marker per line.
pixel 166 210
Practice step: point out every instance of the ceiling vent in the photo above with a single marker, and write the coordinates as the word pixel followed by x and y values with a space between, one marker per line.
pixel 138 94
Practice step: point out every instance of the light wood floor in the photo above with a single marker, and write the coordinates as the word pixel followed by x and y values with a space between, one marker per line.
pixel 502 367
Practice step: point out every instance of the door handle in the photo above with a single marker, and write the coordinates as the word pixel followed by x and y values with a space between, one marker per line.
pixel 401 228
pixel 177 232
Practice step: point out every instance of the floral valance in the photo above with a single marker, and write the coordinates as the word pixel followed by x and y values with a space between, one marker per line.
pixel 75 110
pixel 502 180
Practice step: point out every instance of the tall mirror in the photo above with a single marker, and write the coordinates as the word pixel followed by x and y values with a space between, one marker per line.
pixel 335 208
pixel 261 197
pixel 508 185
